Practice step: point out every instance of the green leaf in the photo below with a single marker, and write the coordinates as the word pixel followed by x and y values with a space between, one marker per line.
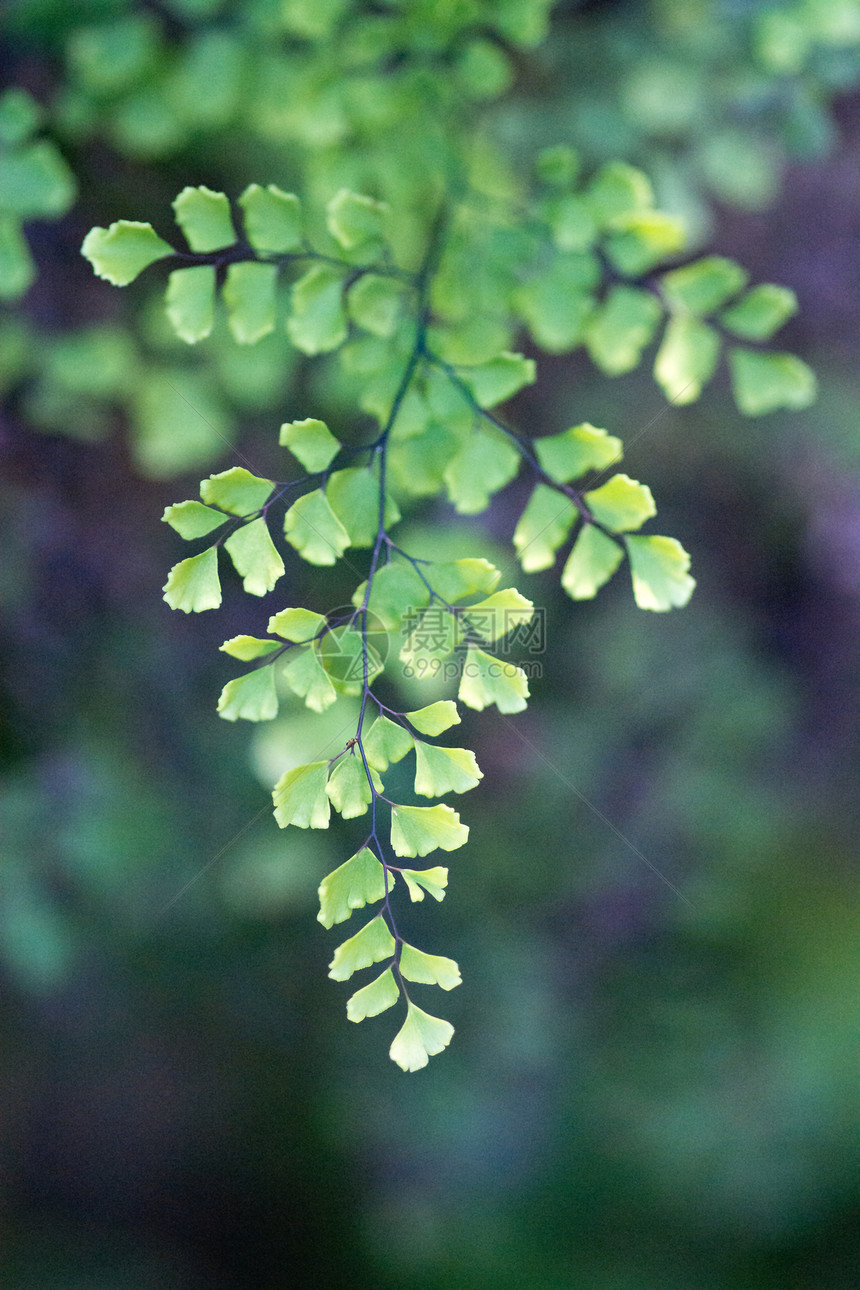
pixel 359 882
pixel 499 614
pixel 487 680
pixel 311 442
pixel 415 830
pixel 372 999
pixel 236 490
pixel 317 321
pixel 249 294
pixel 353 495
pixel 308 679
pixel 543 526
pixel 766 382
pixel 621 504
pixel 397 590
pixel 300 797
pixel 355 220
pixel 372 944
pixel 444 770
pixel 701 287
pixel 429 969
pixel 621 328
pixel 35 181
pixel 179 418
pixel 297 625
pixel 419 1038
pixel 251 697
pixel 348 789
pixel 499 379
pixel 311 526
pixel 17 269
pixel 20 116
pixel 571 222
pixel 640 239
pixel 191 302
pixel 122 251
pixel 658 566
pixel 254 557
pixel 686 358
pixel 272 218
pixel 462 578
pixel 435 718
pixel 375 304
pixel 247 648
pixel 570 454
pixel 204 218
pixel 557 304
pixel 434 635
pixel 418 881
pixel 617 189
pixel 591 563
pixel 192 585
pixel 193 519
pixel 760 312
pixel 484 464
pixel 557 165
pixel 385 742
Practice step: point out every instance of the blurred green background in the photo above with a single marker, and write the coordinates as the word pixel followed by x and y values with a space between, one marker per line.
pixel 653 1081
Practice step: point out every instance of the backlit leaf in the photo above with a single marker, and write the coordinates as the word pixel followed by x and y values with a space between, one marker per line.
pixel 372 944
pixel 297 625
pixel 272 218
pixel 311 442
pixel 419 1038
pixel 358 882
pixel 307 678
pixel 190 302
pixel 433 881
pixel 766 382
pixel 353 495
pixel 397 591
pixel 376 303
pixel 122 251
pixel 640 239
pixel 236 490
pixel 658 566
pixel 591 563
pixel 429 969
pixel 255 558
pixel 372 999
pixel 251 697
pixel 348 789
pixel 499 614
pixel 249 294
pixel 616 189
pixel 543 526
pixel 621 503
pixel 570 454
pixel 499 379
pixel 620 329
pixel 435 718
pixel 416 830
pixel 355 220
pixel 204 217
pixel 484 464
pixel 444 770
pixel 487 680
pixel 317 321
pixel 300 797
pixel 193 519
pixel 193 585
pixel 462 578
pixel 311 526
pixel 686 358
pixel 247 648
pixel 385 742
pixel 701 287
pixel 760 312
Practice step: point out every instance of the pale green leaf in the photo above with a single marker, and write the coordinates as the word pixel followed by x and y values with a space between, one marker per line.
pixel 640 239
pixel 543 526
pixel 499 614
pixel 591 563
pixel 311 526
pixel 204 217
pixel 317 321
pixel 251 697
pixel 385 742
pixel 621 328
pixel 419 1038
pixel 358 882
pixel 570 454
pixel 17 269
pixel 557 305
pixel 124 250
pixel 272 218
pixel 255 557
pixel 236 490
pixel 247 648
pixel 760 312
pixel 444 770
pixel 767 382
pixel 621 503
pixel 353 495
pixel 311 442
pixel 435 718
pixel 499 379
pixel 461 578
pixel 20 115
pixel 372 999
pixel 434 635
pixel 397 591
pixel 487 680
pixel 193 585
pixel 418 881
pixel 348 789
pixel 571 222
pixel 344 652
pixel 557 165
pixel 298 625
pixel 416 830
pixel 617 189
pixel 300 797
pixel 372 944
pixel 484 464
pixel 190 302
pixel 307 678
pixel 686 358
pixel 429 969
pixel 193 519
pixel 658 566
pixel 249 294
pixel 375 304
pixel 701 287
pixel 356 221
